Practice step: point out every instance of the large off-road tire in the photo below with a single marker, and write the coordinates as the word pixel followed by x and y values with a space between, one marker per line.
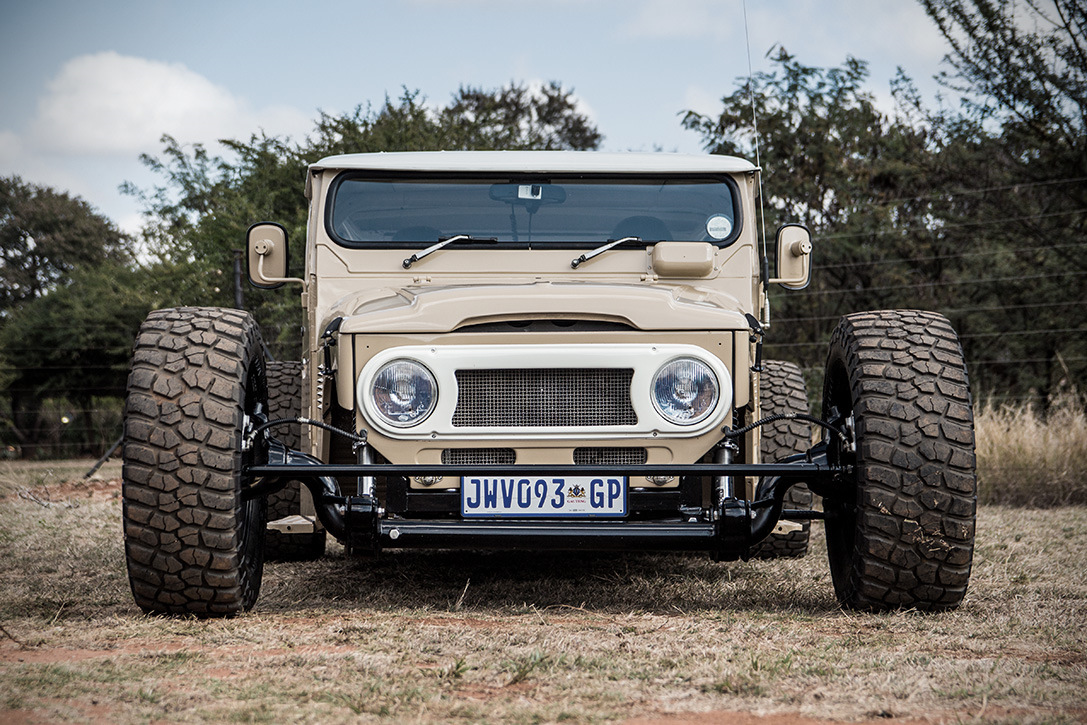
pixel 782 391
pixel 192 544
pixel 901 532
pixel 285 401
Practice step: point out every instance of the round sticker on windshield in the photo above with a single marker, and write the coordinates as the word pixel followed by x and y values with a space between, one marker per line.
pixel 719 226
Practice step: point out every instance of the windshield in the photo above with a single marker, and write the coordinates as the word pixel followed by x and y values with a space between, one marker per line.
pixel 576 211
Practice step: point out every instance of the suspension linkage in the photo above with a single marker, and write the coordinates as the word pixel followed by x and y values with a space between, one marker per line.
pixel 357 439
pixel 788 416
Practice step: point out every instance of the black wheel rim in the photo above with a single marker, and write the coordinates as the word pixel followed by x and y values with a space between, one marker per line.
pixel 841 510
pixel 251 515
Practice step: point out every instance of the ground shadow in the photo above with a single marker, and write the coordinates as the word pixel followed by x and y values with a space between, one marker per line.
pixel 510 581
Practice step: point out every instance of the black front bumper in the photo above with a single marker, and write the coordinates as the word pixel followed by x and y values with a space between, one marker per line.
pixel 551 535
pixel 727 529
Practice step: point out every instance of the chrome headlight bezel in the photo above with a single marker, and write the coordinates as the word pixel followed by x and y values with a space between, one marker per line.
pixel 704 400
pixel 419 373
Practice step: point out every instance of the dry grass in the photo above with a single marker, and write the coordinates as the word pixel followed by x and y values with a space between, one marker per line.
pixel 438 637
pixel 1025 459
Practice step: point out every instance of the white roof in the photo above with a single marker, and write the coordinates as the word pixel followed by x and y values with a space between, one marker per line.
pixel 537 161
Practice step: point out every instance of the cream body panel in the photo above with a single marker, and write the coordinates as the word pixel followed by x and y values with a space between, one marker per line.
pixel 455 287
pixel 443 300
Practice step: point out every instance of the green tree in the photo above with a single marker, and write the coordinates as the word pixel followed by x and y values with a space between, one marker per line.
pixel 968 213
pixel 1021 68
pixel 74 344
pixel 44 236
pixel 48 241
pixel 852 175
pixel 509 118
pixel 516 117
pixel 1020 63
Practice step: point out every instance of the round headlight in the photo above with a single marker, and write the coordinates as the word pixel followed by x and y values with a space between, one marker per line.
pixel 404 393
pixel 685 391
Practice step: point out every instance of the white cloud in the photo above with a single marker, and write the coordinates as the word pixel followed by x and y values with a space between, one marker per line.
pixel 110 104
pixel 686 19
pixel 701 101
pixel 17 159
pixel 11 149
pixel 101 111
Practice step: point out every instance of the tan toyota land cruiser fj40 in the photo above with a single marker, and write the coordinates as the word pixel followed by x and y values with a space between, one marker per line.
pixel 541 350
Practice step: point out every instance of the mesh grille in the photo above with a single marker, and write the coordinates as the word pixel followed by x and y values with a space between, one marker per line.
pixel 610 456
pixel 561 397
pixel 478 456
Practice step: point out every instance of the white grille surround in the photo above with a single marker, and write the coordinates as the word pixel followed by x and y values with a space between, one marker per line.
pixel 643 359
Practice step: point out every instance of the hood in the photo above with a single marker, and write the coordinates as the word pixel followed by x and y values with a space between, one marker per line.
pixel 437 309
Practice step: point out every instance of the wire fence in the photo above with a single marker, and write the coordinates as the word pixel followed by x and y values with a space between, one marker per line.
pixel 60 429
pixel 65 427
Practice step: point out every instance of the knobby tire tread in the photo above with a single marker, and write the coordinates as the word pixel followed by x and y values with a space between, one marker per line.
pixel 904 537
pixel 782 391
pixel 285 401
pixel 192 545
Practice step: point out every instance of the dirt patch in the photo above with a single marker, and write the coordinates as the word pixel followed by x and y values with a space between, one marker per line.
pixel 85 712
pixel 90 488
pixel 21 717
pixel 150 649
pixel 34 655
pixel 720 717
pixel 70 492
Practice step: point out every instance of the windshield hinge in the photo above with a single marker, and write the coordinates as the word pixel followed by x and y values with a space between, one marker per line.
pixel 756 337
pixel 329 341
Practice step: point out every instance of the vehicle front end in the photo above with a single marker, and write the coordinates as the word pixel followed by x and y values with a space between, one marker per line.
pixel 540 350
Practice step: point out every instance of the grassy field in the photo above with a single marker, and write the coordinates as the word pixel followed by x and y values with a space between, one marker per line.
pixel 1027 459
pixel 438 637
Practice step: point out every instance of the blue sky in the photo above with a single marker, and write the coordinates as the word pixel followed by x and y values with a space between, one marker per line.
pixel 85 87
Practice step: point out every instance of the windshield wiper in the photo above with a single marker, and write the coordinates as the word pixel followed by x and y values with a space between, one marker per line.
pixel 575 263
pixel 444 242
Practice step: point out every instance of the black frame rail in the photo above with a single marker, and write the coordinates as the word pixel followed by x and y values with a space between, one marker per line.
pixel 813 471
pixel 727 530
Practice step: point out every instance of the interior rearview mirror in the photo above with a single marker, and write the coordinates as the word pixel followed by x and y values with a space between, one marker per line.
pixel 793 257
pixel 530 196
pixel 266 255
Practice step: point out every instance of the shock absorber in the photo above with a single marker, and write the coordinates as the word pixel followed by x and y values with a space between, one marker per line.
pixel 724 488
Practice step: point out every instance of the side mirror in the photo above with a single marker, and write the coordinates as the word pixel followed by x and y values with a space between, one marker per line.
pixel 266 256
pixel 793 257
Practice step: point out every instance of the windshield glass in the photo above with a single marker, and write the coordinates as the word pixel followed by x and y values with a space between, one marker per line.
pixel 368 211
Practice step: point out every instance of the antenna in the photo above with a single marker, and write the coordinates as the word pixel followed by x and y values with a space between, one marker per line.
pixel 758 163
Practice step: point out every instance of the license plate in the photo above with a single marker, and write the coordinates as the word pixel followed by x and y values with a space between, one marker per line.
pixel 551 496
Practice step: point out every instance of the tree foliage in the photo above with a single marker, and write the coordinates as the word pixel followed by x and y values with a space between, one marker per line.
pixel 44 236
pixel 51 246
pixel 1021 63
pixel 836 164
pixel 1020 143
pixel 73 347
